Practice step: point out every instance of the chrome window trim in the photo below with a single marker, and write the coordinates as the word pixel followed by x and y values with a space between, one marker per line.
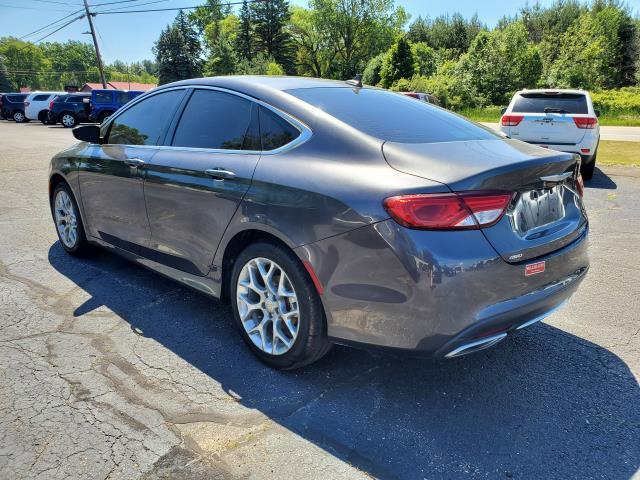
pixel 305 131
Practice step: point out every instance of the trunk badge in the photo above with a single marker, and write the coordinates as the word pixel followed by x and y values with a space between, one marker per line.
pixel 534 268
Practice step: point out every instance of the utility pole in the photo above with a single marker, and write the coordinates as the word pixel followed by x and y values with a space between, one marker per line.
pixel 95 44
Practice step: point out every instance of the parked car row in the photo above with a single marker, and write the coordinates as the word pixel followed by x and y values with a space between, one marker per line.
pixel 68 109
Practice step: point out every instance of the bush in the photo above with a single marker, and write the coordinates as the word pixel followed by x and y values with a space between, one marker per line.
pixel 371 75
pixel 623 101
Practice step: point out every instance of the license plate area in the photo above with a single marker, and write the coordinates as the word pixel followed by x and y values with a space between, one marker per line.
pixel 534 209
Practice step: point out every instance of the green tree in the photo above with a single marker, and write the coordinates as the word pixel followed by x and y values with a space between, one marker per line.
pixel 178 51
pixel 5 83
pixel 244 41
pixel 25 63
pixel 426 59
pixel 501 62
pixel 222 57
pixel 211 13
pixel 398 63
pixel 358 29
pixel 315 51
pixel 270 21
pixel 260 64
pixel 74 58
pixel 371 75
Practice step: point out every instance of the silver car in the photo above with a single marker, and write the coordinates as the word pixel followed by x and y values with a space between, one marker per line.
pixel 325 212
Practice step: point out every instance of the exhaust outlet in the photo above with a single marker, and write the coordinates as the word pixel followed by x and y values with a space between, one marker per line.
pixel 475 346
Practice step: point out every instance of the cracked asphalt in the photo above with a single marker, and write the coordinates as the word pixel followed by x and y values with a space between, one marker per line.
pixel 110 371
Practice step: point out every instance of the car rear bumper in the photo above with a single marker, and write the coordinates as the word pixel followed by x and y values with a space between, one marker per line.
pixel 430 292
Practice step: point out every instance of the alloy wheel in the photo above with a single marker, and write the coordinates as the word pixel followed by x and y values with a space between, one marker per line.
pixel 66 219
pixel 268 306
pixel 18 117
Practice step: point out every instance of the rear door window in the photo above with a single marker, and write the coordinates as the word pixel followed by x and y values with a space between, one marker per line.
pixel 217 120
pixel 122 97
pixel 145 122
pixel 391 116
pixel 76 99
pixel 103 97
pixel 275 131
pixel 40 98
pixel 551 103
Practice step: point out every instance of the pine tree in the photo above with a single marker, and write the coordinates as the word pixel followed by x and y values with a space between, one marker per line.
pixel 244 42
pixel 178 51
pixel 270 18
pixel 398 63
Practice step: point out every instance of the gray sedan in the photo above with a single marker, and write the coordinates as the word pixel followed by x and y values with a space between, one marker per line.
pixel 327 212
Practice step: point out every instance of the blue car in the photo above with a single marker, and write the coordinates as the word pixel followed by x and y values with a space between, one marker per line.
pixel 104 103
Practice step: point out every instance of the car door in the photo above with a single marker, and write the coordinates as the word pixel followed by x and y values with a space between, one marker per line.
pixel 111 175
pixel 195 184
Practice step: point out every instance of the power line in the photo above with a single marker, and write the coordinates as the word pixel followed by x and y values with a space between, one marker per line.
pixel 111 12
pixel 132 6
pixel 113 3
pixel 59 28
pixel 49 25
pixel 33 8
pixel 58 3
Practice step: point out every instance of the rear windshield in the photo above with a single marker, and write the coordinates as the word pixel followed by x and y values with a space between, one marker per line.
pixel 390 116
pixel 544 102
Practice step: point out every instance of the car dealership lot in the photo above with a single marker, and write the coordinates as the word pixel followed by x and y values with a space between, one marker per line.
pixel 111 371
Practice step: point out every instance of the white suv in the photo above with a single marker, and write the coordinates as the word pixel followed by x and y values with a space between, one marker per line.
pixel 559 119
pixel 36 105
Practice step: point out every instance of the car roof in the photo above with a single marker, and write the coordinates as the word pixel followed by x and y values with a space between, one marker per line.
pixel 272 82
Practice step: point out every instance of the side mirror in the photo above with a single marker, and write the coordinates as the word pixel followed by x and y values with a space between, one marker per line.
pixel 87 133
pixel 502 110
pixel 597 113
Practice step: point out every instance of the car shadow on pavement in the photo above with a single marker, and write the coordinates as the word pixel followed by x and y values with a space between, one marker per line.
pixel 602 181
pixel 542 404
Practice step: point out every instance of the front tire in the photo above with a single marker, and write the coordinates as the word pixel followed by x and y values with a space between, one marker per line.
pixel 68 222
pixel 277 308
pixel 19 117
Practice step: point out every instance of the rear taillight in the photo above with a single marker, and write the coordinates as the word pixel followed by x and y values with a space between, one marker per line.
pixel 511 120
pixel 448 211
pixel 586 122
pixel 51 105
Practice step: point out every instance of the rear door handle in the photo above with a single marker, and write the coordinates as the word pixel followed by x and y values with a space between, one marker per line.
pixel 220 173
pixel 134 162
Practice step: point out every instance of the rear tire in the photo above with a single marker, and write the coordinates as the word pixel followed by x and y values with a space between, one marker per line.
pixel 272 321
pixel 67 220
pixel 587 169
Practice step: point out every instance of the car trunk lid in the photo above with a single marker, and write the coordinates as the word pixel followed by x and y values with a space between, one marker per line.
pixel 546 211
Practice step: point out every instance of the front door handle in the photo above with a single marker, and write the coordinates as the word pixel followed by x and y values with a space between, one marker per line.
pixel 134 162
pixel 220 173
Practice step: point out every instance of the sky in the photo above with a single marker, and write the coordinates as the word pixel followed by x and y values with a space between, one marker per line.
pixel 130 37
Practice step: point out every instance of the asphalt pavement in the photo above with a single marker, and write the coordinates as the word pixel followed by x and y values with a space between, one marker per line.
pixel 108 370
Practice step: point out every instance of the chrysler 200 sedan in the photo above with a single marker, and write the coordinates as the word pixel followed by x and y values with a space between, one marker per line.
pixel 326 212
